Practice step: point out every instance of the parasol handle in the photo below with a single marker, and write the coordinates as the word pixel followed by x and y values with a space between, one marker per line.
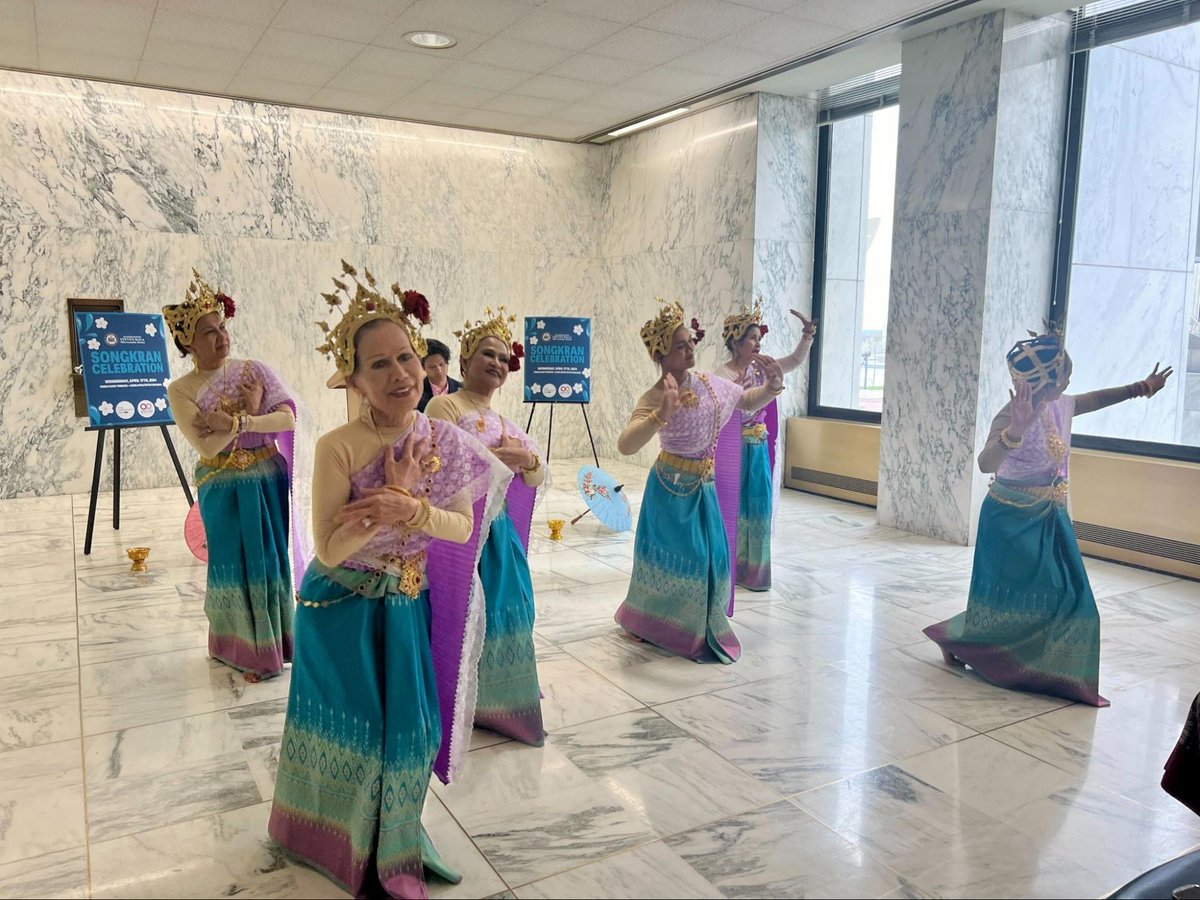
pixel 580 516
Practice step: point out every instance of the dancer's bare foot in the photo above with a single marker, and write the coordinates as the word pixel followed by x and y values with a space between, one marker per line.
pixel 634 637
pixel 951 660
pixel 251 677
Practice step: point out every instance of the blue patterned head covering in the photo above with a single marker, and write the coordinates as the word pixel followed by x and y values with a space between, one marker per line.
pixel 1040 361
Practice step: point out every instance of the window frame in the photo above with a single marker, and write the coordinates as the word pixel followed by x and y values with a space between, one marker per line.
pixel 1089 34
pixel 820 248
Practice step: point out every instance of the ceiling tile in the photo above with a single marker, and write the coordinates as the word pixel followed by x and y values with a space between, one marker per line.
pixel 522 106
pixel 177 25
pixel 502 51
pixel 297 71
pixel 332 20
pixel 784 36
pixel 21 55
pixel 652 47
pixel 95 65
pixel 490 119
pixel 112 15
pixel 589 118
pixel 330 51
pixel 625 11
pixel 598 69
pixel 707 19
pixel 184 77
pixel 400 63
pixel 562 30
pixel 470 74
pixel 118 44
pixel 452 94
pixel 372 83
pixel 17 22
pixel 671 81
pixel 775 6
pixel 553 87
pixel 554 128
pixel 628 100
pixel 393 36
pixel 724 63
pixel 193 55
pixel 490 17
pixel 269 90
pixel 853 17
pixel 254 12
pixel 351 101
pixel 420 110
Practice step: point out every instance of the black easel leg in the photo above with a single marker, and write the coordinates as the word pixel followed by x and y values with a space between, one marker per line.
pixel 550 433
pixel 588 425
pixel 87 541
pixel 187 491
pixel 117 479
pixel 532 408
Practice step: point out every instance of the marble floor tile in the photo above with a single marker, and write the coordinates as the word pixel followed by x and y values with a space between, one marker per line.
pixel 56 875
pixel 38 645
pixel 42 804
pixel 140 631
pixel 479 879
pixel 150 776
pixel 570 568
pixel 165 686
pixel 781 851
pixel 223 855
pixel 575 614
pixel 660 680
pixel 573 693
pixel 39 708
pixel 653 870
pixel 17 544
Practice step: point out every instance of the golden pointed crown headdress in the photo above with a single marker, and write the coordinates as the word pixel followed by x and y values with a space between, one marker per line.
pixel 496 326
pixel 365 305
pixel 737 325
pixel 657 333
pixel 199 301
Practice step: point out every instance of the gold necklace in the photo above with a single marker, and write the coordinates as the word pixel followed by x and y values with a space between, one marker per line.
pixel 481 423
pixel 687 397
pixel 1056 448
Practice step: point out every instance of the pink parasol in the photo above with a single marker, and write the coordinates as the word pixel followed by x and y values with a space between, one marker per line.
pixel 193 533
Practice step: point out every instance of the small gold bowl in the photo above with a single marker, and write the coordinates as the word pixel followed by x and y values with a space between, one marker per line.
pixel 556 527
pixel 138 555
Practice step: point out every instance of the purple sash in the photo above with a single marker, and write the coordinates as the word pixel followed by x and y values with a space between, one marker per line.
pixel 772 432
pixel 521 500
pixel 727 472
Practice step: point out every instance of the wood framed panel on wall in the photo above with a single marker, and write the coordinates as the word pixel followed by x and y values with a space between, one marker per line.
pixel 85 305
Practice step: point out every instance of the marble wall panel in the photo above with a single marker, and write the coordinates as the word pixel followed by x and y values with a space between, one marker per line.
pixel 786 186
pixel 948 101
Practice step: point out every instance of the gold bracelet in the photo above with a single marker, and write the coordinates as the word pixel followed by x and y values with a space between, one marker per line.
pixel 422 516
pixel 1009 442
pixel 656 419
pixel 536 462
pixel 402 491
pixel 235 426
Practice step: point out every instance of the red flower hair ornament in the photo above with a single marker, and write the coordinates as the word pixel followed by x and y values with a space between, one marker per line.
pixel 227 304
pixel 697 331
pixel 417 306
pixel 515 357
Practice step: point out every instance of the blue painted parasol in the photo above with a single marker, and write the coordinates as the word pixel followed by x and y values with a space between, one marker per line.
pixel 604 499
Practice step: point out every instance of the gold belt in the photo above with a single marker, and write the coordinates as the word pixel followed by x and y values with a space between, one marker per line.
pixel 758 431
pixel 1055 493
pixel 701 467
pixel 240 458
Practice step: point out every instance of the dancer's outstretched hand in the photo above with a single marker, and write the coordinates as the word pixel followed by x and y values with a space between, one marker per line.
pixel 810 325
pixel 1156 380
pixel 1022 410
pixel 670 399
pixel 770 368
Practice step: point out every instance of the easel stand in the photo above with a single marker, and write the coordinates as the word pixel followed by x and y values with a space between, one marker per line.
pixel 116 430
pixel 550 433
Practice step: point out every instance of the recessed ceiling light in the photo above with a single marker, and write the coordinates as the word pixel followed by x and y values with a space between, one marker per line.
pixel 431 40
pixel 646 123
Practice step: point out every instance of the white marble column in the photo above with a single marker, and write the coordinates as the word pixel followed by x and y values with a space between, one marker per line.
pixel 982 106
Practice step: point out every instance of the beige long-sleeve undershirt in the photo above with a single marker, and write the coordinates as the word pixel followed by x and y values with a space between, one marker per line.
pixel 641 428
pixel 453 407
pixel 182 394
pixel 340 454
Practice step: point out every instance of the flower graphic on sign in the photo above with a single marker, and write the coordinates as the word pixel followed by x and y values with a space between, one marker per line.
pixel 106 408
pixel 535 387
pixel 587 373
pixel 160 403
pixel 150 329
pixel 533 340
pixel 541 324
pixel 102 322
pixel 578 388
pixel 93 344
pixel 578 329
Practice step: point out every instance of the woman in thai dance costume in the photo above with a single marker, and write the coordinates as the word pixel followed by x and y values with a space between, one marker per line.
pixel 743 336
pixel 391 618
pixel 509 699
pixel 1031 622
pixel 238 416
pixel 680 587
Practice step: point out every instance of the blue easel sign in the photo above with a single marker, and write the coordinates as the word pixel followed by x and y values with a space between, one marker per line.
pixel 558 359
pixel 125 368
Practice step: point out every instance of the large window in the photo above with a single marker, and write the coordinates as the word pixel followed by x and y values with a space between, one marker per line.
pixel 1127 283
pixel 852 271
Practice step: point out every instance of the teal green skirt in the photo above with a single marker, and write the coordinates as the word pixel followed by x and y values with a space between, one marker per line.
pixel 1031 621
pixel 362 731
pixel 754 515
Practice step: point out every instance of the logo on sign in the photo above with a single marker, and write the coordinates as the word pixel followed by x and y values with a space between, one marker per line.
pixel 111 339
pixel 145 409
pixel 125 410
